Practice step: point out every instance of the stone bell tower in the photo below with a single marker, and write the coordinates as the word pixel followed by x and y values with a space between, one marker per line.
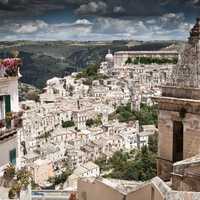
pixel 179 109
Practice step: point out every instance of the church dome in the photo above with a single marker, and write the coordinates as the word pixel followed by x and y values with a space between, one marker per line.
pixel 109 56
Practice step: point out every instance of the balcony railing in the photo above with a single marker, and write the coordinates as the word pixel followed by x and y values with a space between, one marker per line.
pixel 9 125
pixel 10 67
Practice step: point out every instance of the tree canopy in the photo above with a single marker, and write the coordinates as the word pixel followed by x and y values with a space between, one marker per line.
pixel 149 60
pixel 94 122
pixel 146 116
pixel 67 124
pixel 139 165
pixel 90 73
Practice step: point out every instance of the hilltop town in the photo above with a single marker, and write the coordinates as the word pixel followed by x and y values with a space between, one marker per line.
pixel 85 131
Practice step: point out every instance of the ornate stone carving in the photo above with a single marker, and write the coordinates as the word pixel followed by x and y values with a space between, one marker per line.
pixel 187 71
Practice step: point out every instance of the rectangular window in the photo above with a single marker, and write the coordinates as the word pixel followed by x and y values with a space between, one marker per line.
pixel 7 104
pixel 8 109
pixel 177 141
pixel 1 108
pixel 12 156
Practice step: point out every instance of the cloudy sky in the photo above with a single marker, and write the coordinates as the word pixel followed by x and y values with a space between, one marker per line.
pixel 97 19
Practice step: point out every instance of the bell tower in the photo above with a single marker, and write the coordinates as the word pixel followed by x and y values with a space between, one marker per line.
pixel 179 109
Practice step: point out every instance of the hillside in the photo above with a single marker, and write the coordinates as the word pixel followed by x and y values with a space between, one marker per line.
pixel 44 60
pixel 27 92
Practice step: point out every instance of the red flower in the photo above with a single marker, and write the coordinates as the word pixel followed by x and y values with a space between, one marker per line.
pixel 11 66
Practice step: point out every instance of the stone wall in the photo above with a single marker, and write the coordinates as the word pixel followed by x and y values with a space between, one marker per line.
pixel 186 176
pixel 174 195
pixel 143 193
pixel 186 93
pixel 97 191
pixel 164 168
pixel 185 183
pixel 165 144
pixel 170 111
pixel 5 147
pixel 191 135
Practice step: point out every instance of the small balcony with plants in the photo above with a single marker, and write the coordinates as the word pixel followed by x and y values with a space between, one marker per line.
pixel 9 67
pixel 10 124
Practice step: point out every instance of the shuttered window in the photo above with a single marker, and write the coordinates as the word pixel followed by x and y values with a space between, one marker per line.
pixel 7 104
pixel 12 156
pixel 8 109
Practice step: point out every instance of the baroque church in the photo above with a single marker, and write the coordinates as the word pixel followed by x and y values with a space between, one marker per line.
pixel 179 120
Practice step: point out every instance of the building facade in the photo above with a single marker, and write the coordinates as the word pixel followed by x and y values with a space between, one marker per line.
pixel 10 117
pixel 179 118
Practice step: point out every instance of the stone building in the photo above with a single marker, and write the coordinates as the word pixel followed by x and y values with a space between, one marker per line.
pixel 113 189
pixel 147 68
pixel 109 189
pixel 10 117
pixel 179 120
pixel 143 72
pixel 121 57
pixel 41 171
pixel 88 169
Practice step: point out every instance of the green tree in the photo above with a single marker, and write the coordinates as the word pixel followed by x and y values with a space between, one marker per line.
pixel 24 177
pixel 20 180
pixel 118 163
pixel 128 61
pixel 138 166
pixel 146 116
pixel 33 95
pixel 90 73
pixel 67 124
pixel 159 61
pixel 9 172
pixel 61 178
pixel 94 122
pixel 153 143
pixel 103 163
pixel 90 122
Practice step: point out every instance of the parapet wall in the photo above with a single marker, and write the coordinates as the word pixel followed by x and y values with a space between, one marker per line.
pixel 178 92
pixel 186 176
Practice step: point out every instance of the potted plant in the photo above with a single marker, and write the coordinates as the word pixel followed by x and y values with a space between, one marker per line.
pixel 9 117
pixel 11 193
pixel 11 66
pixel 9 174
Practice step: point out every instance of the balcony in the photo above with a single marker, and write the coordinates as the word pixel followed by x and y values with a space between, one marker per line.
pixel 10 67
pixel 9 126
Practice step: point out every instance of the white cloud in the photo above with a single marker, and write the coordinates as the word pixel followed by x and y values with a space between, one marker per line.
pixel 83 22
pixel 30 27
pixel 116 26
pixel 92 8
pixel 118 9
pixel 169 26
